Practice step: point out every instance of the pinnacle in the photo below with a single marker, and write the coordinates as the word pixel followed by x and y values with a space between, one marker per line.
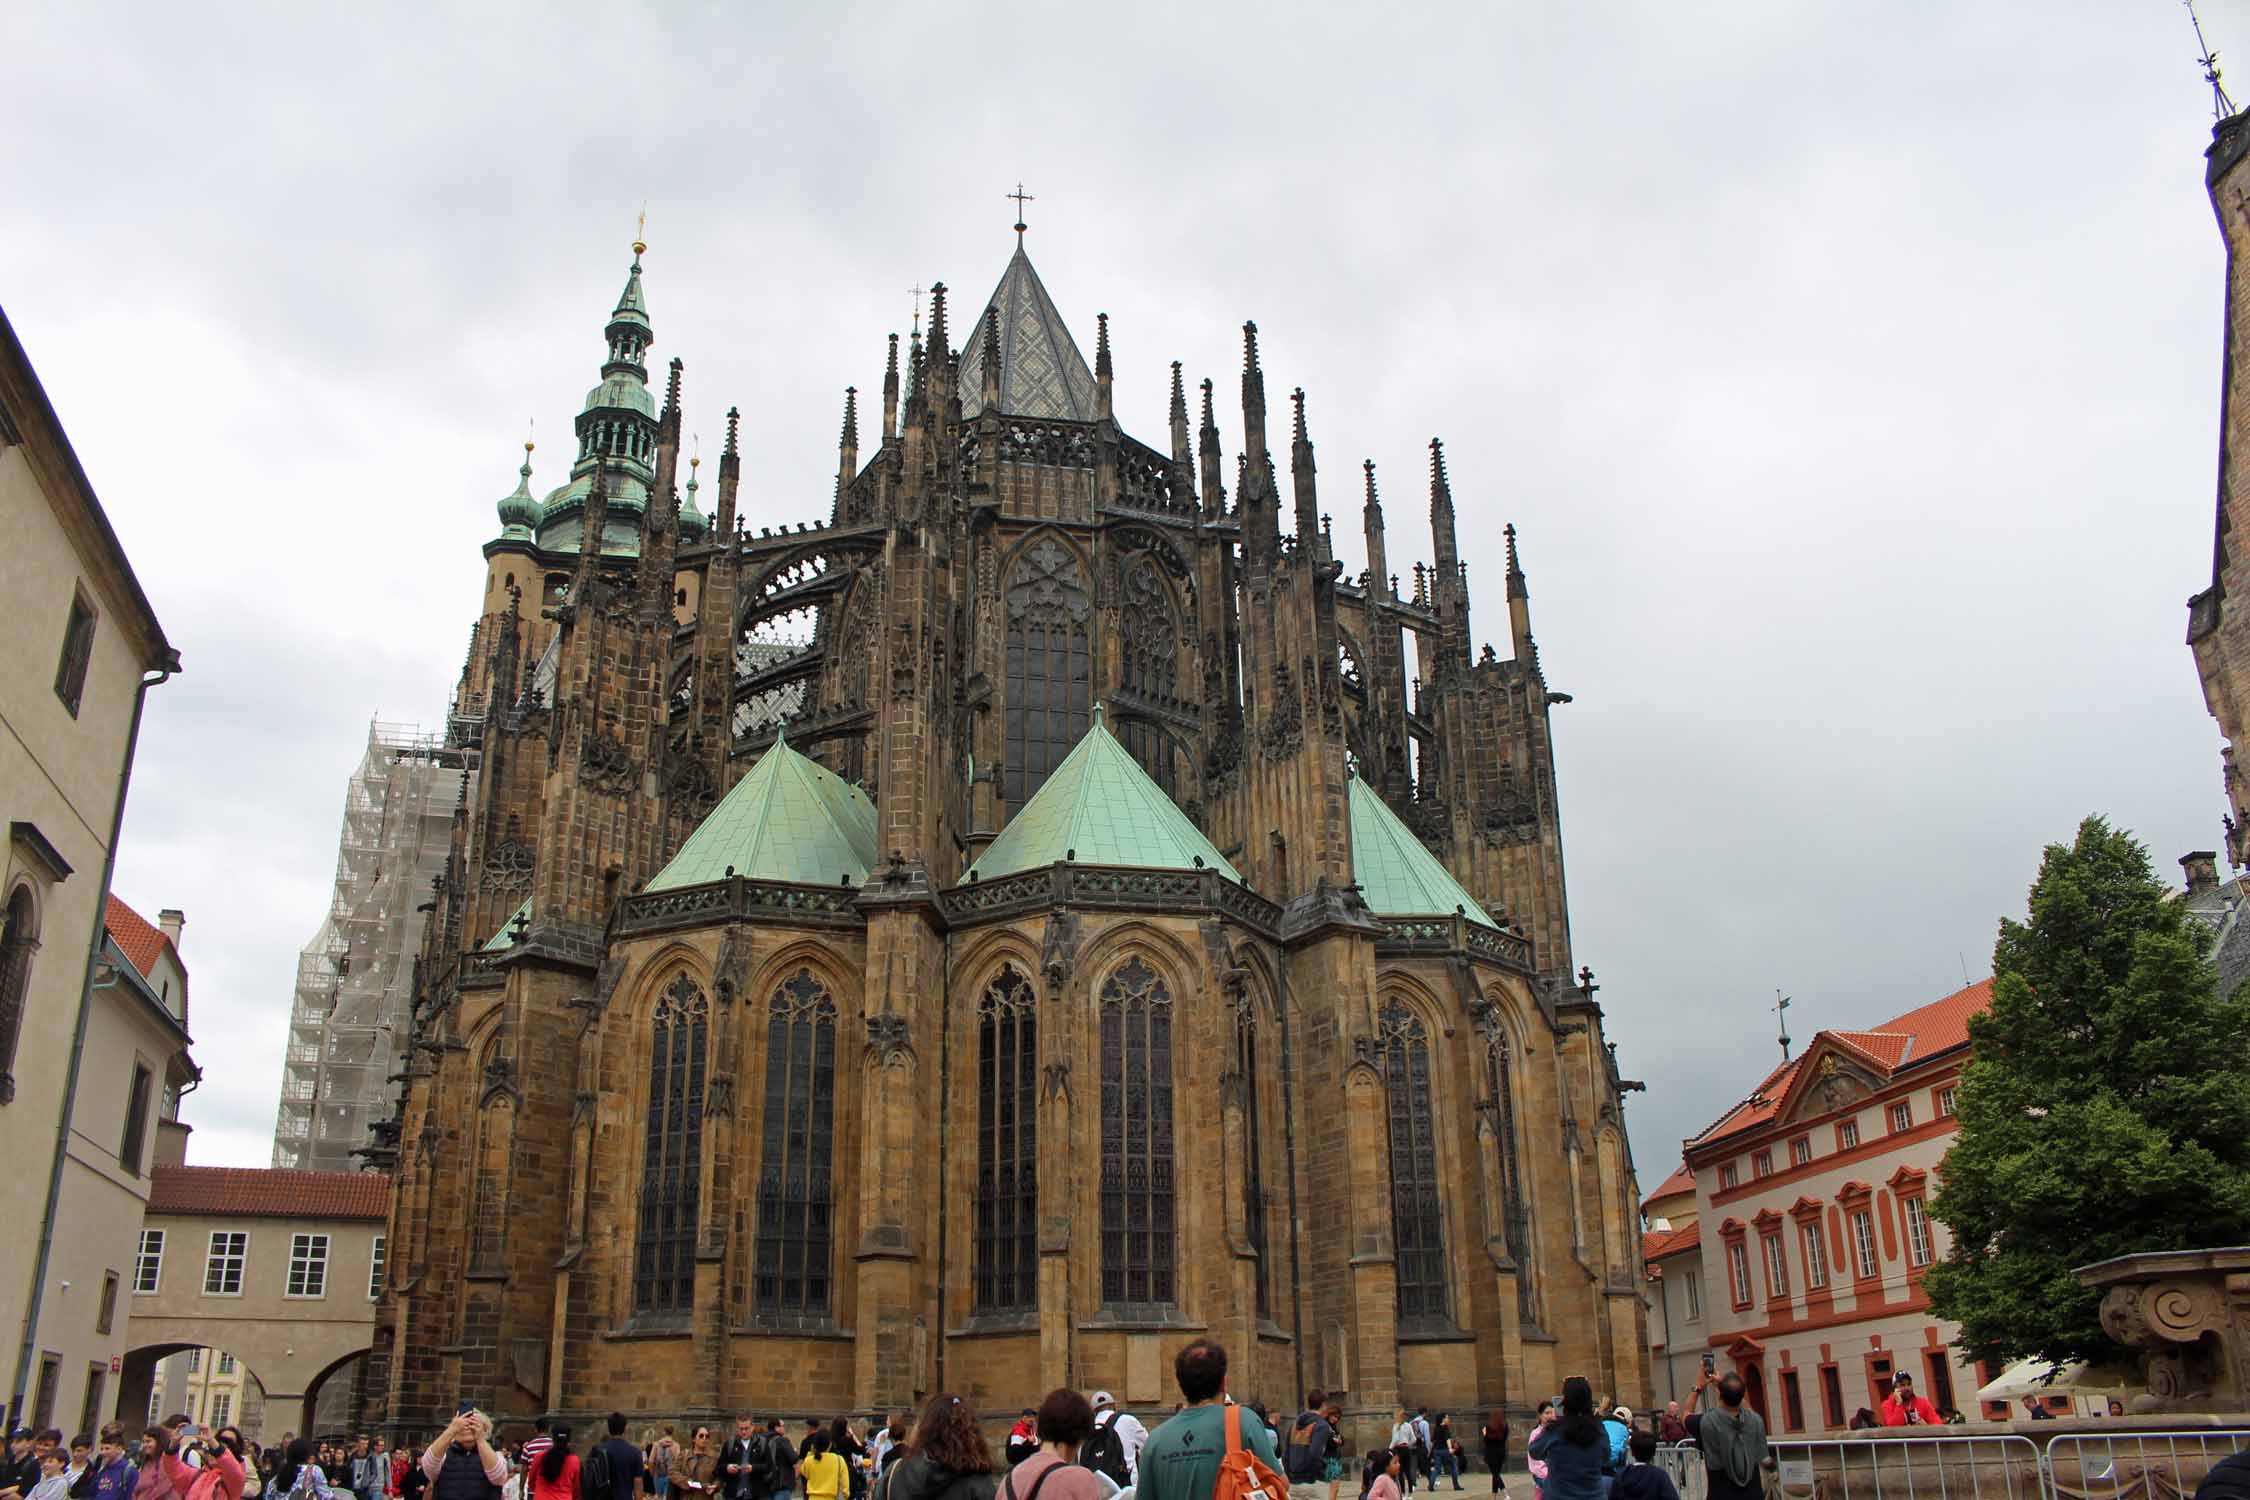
pixel 1297 399
pixel 734 421
pixel 1372 502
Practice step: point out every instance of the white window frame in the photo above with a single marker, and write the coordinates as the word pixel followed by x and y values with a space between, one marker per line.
pixel 378 1261
pixel 1800 1151
pixel 1918 1252
pixel 1901 1115
pixel 1816 1257
pixel 1777 1266
pixel 195 1361
pixel 148 1263
pixel 1863 1241
pixel 222 1407
pixel 1847 1135
pixel 308 1268
pixel 1728 1177
pixel 1947 1097
pixel 1738 1268
pixel 1761 1165
pixel 229 1250
pixel 226 1363
pixel 1691 1287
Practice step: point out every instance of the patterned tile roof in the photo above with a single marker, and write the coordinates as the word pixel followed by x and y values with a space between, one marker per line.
pixel 1397 876
pixel 1042 374
pixel 1921 1034
pixel 269 1193
pixel 789 819
pixel 1099 808
pixel 1658 1243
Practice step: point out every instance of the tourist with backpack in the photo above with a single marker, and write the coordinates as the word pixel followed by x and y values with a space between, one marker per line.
pixel 778 1474
pixel 1056 1470
pixel 613 1469
pixel 1305 1459
pixel 1207 1450
pixel 1114 1430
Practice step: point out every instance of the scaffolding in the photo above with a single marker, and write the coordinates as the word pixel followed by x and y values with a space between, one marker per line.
pixel 349 1022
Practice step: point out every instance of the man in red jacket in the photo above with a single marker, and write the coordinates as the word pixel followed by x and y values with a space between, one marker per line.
pixel 1905 1409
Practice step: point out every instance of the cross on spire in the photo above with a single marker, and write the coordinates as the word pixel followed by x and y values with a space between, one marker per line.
pixel 1021 198
pixel 915 291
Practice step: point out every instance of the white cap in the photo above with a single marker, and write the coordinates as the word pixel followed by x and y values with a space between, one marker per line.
pixel 1102 1399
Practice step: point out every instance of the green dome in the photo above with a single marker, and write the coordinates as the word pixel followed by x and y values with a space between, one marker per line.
pixel 692 521
pixel 520 510
pixel 628 391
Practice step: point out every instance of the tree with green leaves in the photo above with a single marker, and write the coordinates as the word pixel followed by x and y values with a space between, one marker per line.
pixel 2105 1109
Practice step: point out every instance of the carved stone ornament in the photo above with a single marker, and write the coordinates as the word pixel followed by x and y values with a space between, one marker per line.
pixel 608 766
pixel 1058 955
pixel 689 781
pixel 509 866
pixel 1431 820
pixel 1283 729
pixel 1512 815
pixel 889 1043
pixel 1047 580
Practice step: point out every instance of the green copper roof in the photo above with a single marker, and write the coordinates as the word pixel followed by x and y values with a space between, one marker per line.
pixel 692 522
pixel 789 819
pixel 505 938
pixel 1397 875
pixel 1100 808
pixel 520 509
pixel 631 307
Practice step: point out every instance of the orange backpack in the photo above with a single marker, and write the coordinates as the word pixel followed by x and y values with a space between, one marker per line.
pixel 1242 1474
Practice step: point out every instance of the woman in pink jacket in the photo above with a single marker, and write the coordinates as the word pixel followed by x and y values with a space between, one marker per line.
pixel 220 1478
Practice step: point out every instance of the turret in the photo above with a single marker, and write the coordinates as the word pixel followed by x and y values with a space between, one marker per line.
pixel 694 526
pixel 520 510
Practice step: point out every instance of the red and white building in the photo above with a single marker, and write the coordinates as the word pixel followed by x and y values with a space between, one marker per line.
pixel 1811 1227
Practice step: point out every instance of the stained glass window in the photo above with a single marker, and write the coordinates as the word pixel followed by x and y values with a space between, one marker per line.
pixel 796 1156
pixel 1007 1246
pixel 1136 1137
pixel 1049 669
pixel 1253 1185
pixel 1417 1213
pixel 672 1157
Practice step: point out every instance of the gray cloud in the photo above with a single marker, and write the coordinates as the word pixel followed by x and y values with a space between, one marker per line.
pixel 1850 371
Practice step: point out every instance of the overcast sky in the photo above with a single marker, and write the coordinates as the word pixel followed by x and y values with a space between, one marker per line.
pixel 1851 373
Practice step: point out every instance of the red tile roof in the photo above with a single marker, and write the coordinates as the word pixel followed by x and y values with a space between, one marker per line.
pixel 1682 1180
pixel 1658 1244
pixel 269 1193
pixel 1919 1035
pixel 143 944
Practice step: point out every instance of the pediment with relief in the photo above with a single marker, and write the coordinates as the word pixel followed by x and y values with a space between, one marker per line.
pixel 1829 1081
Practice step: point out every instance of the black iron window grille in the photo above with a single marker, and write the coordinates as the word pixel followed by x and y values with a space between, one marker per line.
pixel 1417 1211
pixel 1007 1243
pixel 672 1159
pixel 796 1197
pixel 1138 1229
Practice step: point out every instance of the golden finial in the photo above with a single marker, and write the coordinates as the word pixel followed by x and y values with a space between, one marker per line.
pixel 528 428
pixel 640 234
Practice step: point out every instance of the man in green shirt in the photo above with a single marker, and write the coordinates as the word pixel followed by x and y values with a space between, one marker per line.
pixel 1180 1461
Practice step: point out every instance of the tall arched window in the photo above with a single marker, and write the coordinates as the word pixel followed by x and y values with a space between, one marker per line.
pixel 1136 1145
pixel 1253 1181
pixel 1007 1241
pixel 1417 1214
pixel 1049 666
pixel 19 939
pixel 796 1155
pixel 672 1158
pixel 1499 1066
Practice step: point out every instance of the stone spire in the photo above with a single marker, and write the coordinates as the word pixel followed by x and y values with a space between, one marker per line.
pixel 730 475
pixel 847 446
pixel 1211 459
pixel 1302 484
pixel 988 384
pixel 1181 453
pixel 890 392
pixel 1378 559
pixel 1260 506
pixel 1102 372
pixel 1448 593
pixel 1519 605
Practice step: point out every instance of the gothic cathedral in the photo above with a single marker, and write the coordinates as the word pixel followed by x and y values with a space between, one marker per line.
pixel 983 937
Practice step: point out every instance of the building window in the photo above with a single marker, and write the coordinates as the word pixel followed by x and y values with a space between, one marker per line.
pixel 308 1265
pixel 148 1263
pixel 1917 1231
pixel 1792 1402
pixel 43 1397
pixel 194 1361
pixel 222 1407
pixel 1863 1242
pixel 1941 1379
pixel 1007 1235
pixel 1253 1180
pixel 1761 1165
pixel 226 1363
pixel 1777 1267
pixel 1049 676
pixel 1727 1176
pixel 106 1313
pixel 796 1197
pixel 1691 1292
pixel 1902 1116
pixel 672 1149
pixel 222 1267
pixel 1847 1135
pixel 1945 1098
pixel 1816 1257
pixel 1831 1397
pixel 19 940
pixel 376 1256
pixel 1738 1271
pixel 1138 1228
pixel 90 1410
pixel 1417 1199
pixel 1800 1151
pixel 136 1119
pixel 77 654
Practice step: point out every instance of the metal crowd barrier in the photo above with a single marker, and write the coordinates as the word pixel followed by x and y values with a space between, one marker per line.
pixel 2136 1465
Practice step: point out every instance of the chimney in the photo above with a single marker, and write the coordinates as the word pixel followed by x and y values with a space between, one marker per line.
pixel 172 919
pixel 2202 870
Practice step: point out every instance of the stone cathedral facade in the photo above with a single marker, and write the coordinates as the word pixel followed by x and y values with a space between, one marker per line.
pixel 985 931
